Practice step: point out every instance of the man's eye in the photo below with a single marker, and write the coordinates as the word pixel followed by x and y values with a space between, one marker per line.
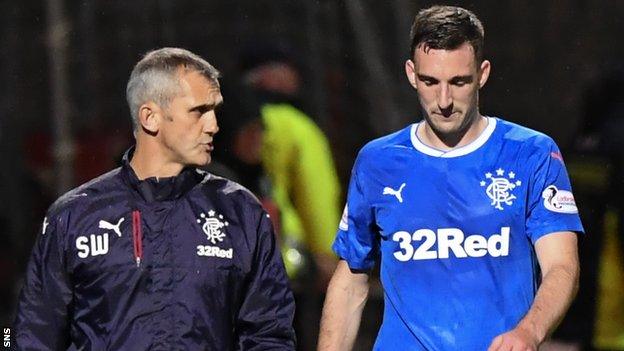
pixel 428 83
pixel 460 82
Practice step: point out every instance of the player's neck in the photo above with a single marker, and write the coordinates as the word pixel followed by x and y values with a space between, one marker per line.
pixel 149 161
pixel 449 141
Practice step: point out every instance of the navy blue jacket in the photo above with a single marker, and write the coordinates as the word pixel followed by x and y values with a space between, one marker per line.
pixel 182 263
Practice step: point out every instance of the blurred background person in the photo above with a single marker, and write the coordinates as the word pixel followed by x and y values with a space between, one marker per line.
pixel 281 156
pixel 297 158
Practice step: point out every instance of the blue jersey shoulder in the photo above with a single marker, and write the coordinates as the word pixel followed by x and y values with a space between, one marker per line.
pixel 517 133
pixel 527 138
pixel 371 150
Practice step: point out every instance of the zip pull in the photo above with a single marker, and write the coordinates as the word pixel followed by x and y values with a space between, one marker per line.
pixel 137 237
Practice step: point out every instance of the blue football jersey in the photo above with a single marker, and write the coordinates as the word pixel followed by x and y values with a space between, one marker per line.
pixel 454 231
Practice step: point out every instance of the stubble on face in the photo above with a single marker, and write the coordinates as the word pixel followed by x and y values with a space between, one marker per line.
pixel 447 82
pixel 451 127
pixel 191 121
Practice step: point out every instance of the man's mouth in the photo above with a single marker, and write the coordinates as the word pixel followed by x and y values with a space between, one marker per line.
pixel 445 114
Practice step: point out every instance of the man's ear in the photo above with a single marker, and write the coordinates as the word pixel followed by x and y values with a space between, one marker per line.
pixel 410 72
pixel 149 117
pixel 484 72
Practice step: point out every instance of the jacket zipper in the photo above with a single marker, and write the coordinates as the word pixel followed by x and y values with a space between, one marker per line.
pixel 137 237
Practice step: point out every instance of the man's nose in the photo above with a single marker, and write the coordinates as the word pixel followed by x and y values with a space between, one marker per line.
pixel 211 126
pixel 445 99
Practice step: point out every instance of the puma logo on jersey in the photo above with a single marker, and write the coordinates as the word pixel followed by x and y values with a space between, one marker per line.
pixel 94 245
pixel 420 244
pixel 396 193
pixel 115 227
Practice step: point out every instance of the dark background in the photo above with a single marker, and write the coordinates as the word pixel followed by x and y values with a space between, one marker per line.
pixel 545 56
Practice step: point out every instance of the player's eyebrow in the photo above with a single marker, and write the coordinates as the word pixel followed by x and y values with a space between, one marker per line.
pixel 462 79
pixel 465 78
pixel 425 77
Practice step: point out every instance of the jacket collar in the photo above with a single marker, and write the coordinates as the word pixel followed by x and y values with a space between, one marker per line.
pixel 160 189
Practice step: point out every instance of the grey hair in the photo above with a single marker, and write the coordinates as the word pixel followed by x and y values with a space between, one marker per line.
pixel 155 78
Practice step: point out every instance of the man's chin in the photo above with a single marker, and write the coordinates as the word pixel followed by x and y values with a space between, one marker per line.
pixel 206 162
pixel 445 128
pixel 200 161
pixel 457 125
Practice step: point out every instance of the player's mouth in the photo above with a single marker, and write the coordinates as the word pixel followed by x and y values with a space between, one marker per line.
pixel 446 114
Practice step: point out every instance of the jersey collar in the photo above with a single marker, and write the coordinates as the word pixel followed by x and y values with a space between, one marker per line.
pixel 160 189
pixel 461 151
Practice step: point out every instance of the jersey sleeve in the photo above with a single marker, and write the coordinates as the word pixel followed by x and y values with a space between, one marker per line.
pixel 42 313
pixel 265 317
pixel 551 202
pixel 356 240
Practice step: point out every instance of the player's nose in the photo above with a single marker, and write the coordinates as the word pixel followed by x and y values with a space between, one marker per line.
pixel 445 100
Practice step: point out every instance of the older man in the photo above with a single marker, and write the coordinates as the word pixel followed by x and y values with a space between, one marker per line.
pixel 158 255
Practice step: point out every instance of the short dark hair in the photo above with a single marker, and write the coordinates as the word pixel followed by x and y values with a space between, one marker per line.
pixel 447 28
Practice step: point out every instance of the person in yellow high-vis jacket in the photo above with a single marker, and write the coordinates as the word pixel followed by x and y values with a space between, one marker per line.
pixel 297 159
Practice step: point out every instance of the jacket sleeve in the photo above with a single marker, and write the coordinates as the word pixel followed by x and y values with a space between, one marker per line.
pixel 42 313
pixel 265 318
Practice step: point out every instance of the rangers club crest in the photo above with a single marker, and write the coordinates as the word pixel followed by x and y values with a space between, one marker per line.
pixel 213 226
pixel 500 188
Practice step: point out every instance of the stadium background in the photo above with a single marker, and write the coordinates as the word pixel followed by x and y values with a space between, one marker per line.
pixel 64 71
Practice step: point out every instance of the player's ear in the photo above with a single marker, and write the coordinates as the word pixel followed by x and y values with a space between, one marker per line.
pixel 484 72
pixel 410 72
pixel 149 117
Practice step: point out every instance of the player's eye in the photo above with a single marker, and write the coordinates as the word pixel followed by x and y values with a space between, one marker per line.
pixel 461 81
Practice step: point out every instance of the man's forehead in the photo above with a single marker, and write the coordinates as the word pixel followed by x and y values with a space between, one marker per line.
pixel 460 59
pixel 218 98
pixel 464 49
pixel 194 80
pixel 465 45
pixel 213 94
